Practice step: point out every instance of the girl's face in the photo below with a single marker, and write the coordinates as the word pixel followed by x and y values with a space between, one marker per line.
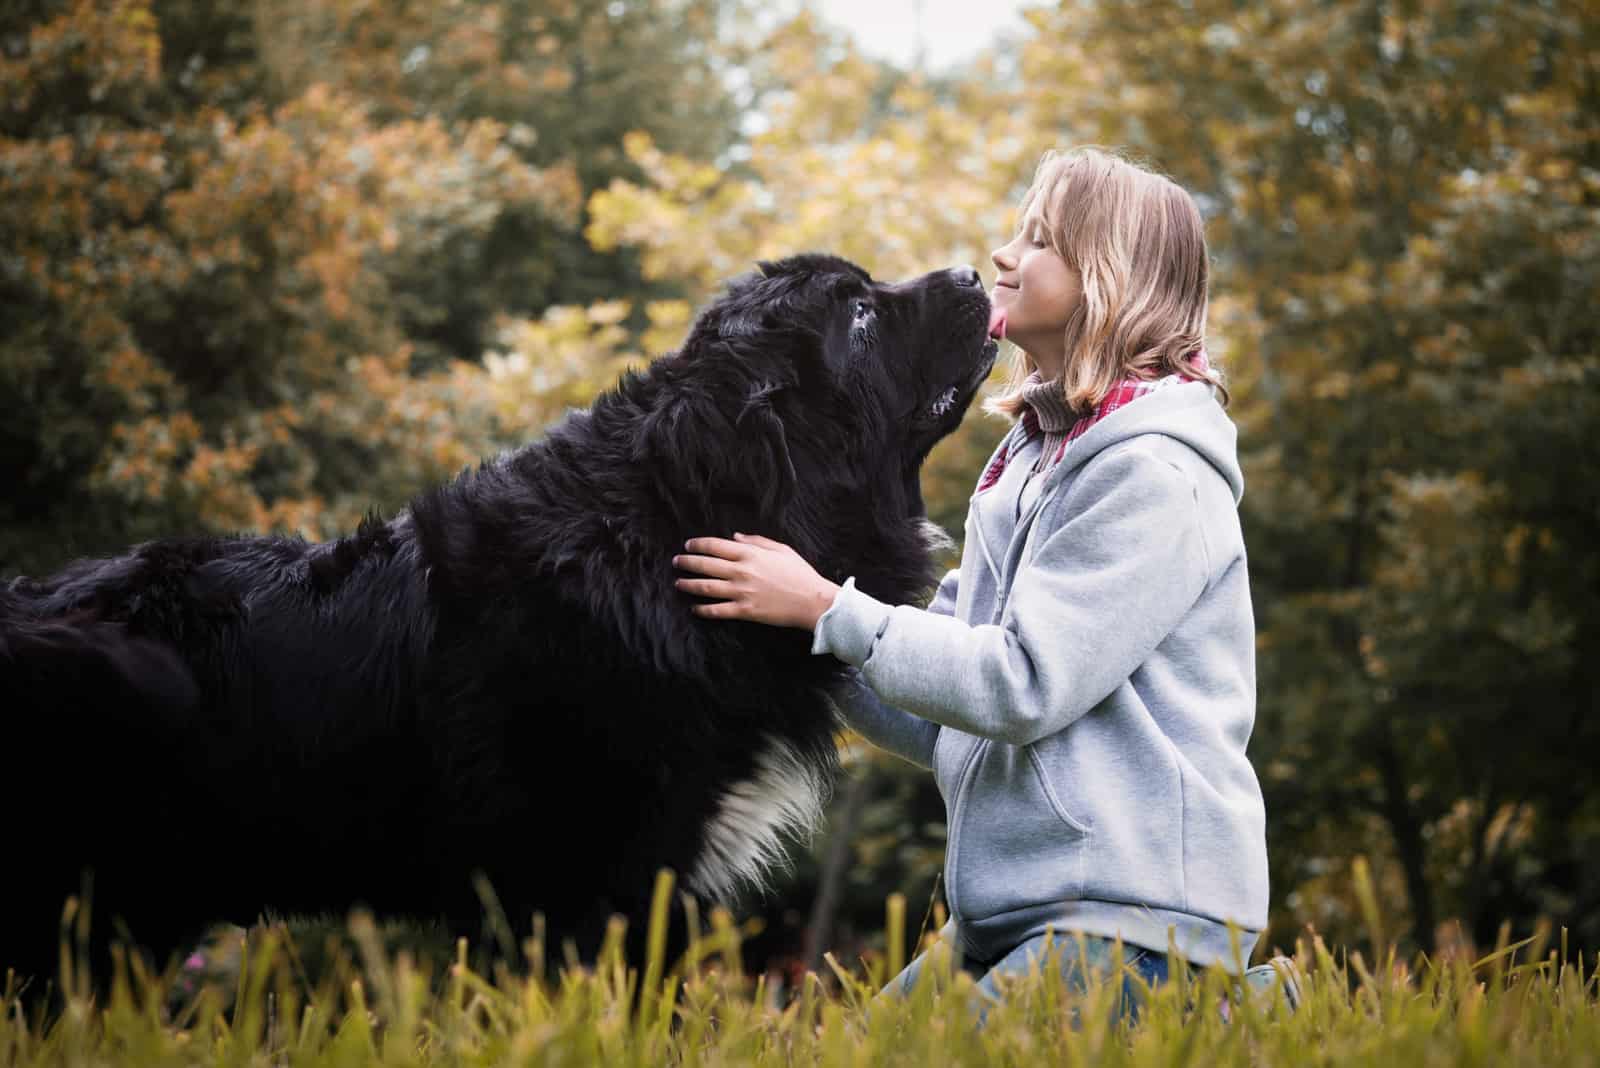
pixel 1037 291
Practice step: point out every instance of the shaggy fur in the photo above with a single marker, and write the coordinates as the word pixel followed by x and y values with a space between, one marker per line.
pixel 502 678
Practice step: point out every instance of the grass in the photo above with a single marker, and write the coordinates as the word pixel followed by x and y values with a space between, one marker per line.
pixel 1526 1003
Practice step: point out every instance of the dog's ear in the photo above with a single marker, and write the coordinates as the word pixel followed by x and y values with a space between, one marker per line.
pixel 708 458
pixel 772 306
pixel 743 306
pixel 760 420
pixel 740 323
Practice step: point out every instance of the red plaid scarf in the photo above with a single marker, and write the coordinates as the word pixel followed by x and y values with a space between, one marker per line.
pixel 1122 394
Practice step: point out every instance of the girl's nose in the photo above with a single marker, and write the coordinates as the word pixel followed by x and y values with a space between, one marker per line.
pixel 1002 259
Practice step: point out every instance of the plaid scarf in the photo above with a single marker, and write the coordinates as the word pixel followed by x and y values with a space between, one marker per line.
pixel 1046 413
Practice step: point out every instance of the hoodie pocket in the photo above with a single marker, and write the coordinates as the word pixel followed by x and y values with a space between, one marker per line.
pixel 1017 845
pixel 1072 822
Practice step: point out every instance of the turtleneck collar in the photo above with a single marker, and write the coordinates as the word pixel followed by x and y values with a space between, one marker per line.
pixel 1046 410
pixel 1048 402
pixel 1045 413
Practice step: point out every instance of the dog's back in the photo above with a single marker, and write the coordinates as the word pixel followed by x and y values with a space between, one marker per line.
pixel 219 725
pixel 181 718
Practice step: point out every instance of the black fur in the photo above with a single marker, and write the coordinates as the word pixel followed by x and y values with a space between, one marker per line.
pixel 501 679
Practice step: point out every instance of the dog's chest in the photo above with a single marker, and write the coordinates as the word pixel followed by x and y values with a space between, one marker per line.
pixel 745 837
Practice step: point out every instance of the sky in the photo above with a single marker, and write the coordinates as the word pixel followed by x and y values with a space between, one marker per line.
pixel 951 30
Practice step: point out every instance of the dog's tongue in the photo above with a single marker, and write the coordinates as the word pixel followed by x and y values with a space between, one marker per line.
pixel 997 323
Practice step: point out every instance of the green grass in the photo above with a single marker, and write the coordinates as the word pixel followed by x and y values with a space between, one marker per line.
pixel 1527 1003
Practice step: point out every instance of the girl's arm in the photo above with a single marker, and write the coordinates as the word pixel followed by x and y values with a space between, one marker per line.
pixel 909 737
pixel 1101 592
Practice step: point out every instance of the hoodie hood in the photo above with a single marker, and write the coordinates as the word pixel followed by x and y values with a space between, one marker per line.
pixel 1184 412
pixel 1187 412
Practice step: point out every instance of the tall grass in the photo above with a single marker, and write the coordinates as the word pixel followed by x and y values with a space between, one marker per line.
pixel 1526 1003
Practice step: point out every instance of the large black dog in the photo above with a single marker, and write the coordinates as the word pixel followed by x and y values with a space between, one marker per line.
pixel 502 678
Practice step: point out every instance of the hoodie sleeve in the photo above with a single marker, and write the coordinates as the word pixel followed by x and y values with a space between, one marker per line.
pixel 906 736
pixel 1098 596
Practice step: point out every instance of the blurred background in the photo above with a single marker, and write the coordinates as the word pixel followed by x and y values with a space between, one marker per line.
pixel 266 264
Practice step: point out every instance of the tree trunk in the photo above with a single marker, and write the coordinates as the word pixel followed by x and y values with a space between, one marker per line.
pixel 1407 832
pixel 819 928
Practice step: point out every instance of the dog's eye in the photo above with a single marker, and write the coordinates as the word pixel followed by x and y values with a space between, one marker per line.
pixel 862 323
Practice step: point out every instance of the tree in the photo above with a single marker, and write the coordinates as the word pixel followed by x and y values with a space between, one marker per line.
pixel 567 79
pixel 254 257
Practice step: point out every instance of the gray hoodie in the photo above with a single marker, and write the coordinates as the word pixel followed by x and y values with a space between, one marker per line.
pixel 1083 688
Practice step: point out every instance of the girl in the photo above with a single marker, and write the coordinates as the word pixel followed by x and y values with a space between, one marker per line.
pixel 1084 685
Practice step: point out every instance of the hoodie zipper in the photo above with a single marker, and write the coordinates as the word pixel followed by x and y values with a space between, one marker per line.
pixel 1002 590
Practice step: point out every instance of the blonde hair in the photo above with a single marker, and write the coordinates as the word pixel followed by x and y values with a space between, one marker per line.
pixel 1137 240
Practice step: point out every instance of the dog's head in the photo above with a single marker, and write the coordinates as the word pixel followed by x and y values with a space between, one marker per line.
pixel 857 377
pixel 803 403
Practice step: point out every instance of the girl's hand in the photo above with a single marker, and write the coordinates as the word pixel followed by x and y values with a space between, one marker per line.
pixel 754 578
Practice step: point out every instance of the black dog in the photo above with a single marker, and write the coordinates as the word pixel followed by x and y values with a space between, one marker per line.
pixel 501 679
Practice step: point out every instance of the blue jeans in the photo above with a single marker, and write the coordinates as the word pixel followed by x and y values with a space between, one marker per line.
pixel 1076 956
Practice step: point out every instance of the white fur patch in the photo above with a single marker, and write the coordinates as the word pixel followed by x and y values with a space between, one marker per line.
pixel 933 536
pixel 745 839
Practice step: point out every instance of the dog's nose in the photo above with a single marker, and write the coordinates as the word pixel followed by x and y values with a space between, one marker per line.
pixel 966 276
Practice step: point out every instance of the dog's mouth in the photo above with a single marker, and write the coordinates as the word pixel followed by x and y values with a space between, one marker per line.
pixel 963 389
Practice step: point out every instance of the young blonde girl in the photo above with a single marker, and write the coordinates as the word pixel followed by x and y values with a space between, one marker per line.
pixel 1083 686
